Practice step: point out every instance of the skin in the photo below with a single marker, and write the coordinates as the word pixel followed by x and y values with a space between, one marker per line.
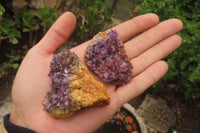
pixel 155 41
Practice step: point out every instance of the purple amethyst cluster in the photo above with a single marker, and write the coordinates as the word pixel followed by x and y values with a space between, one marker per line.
pixel 73 87
pixel 107 58
pixel 61 68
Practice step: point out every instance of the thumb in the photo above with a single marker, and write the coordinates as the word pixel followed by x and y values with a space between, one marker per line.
pixel 59 32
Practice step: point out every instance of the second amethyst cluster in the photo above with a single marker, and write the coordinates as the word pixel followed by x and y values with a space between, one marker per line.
pixel 107 58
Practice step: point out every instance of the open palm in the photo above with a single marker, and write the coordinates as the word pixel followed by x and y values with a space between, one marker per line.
pixel 145 52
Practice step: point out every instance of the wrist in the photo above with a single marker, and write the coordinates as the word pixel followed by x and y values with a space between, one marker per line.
pixel 15 119
pixel 12 128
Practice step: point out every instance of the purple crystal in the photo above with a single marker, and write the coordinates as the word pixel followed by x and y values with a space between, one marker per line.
pixel 107 58
pixel 73 87
pixel 61 68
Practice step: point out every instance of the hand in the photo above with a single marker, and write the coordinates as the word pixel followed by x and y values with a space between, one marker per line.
pixel 145 52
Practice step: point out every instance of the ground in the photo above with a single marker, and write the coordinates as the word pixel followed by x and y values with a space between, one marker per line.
pixel 5 93
pixel 187 112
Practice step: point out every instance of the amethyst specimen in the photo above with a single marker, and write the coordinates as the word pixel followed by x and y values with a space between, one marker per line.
pixel 73 87
pixel 107 58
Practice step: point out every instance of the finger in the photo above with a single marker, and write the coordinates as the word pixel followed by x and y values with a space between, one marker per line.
pixel 151 37
pixel 58 33
pixel 125 30
pixel 136 25
pixel 141 82
pixel 159 51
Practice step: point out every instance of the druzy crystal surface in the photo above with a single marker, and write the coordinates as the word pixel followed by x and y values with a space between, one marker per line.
pixel 73 87
pixel 107 58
